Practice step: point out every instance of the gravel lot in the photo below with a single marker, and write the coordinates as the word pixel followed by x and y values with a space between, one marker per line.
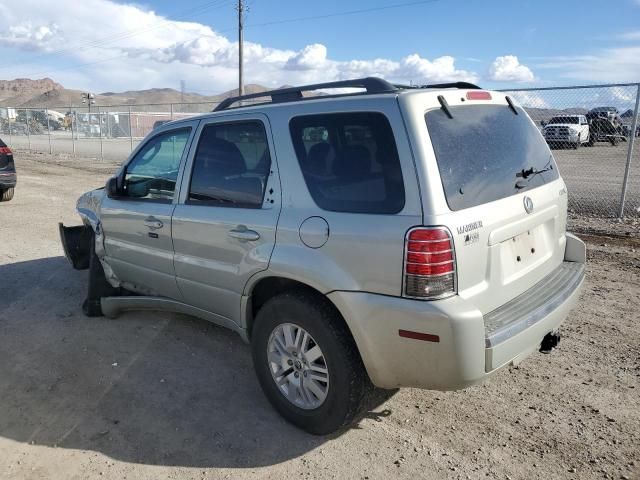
pixel 152 396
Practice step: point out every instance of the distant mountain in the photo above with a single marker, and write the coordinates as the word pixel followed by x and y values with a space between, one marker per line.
pixel 47 93
pixel 22 90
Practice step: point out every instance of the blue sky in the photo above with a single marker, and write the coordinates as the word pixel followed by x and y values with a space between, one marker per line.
pixel 116 45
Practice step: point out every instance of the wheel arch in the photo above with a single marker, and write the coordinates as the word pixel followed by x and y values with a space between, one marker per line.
pixel 270 286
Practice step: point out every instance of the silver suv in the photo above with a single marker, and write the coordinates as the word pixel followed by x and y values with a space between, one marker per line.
pixel 389 238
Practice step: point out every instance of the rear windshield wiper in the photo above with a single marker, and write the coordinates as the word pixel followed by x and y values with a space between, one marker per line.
pixel 531 172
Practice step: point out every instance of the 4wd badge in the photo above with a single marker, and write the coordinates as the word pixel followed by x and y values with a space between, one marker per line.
pixel 470 238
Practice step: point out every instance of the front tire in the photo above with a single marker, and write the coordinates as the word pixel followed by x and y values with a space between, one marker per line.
pixel 7 194
pixel 298 338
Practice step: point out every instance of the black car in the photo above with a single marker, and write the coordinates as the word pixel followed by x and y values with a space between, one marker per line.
pixel 7 173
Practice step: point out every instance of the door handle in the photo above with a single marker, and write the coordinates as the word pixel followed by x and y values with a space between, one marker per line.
pixel 244 235
pixel 153 223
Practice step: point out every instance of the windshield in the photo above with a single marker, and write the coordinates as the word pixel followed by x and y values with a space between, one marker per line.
pixel 573 120
pixel 486 152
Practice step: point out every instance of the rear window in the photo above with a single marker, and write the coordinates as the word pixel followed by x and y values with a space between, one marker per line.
pixel 566 120
pixel 486 152
pixel 349 162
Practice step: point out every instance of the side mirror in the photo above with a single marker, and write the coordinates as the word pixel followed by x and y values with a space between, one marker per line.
pixel 112 189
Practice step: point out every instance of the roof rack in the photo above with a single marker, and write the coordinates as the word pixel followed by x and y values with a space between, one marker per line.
pixel 370 84
pixel 460 85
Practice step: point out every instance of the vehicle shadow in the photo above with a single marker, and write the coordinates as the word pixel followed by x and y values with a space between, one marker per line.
pixel 150 388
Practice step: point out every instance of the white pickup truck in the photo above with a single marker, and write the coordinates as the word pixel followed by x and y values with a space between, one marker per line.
pixel 567 130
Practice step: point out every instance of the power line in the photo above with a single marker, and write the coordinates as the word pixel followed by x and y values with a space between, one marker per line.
pixel 338 14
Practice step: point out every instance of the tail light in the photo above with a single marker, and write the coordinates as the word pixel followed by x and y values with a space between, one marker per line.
pixel 5 151
pixel 429 263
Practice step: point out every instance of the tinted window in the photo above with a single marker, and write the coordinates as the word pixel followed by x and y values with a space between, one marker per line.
pixel 349 162
pixel 483 150
pixel 231 165
pixel 153 171
pixel 566 120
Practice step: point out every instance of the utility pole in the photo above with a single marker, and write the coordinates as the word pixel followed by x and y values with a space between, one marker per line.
pixel 240 45
pixel 88 98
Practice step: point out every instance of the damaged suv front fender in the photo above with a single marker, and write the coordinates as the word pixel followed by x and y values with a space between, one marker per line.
pixel 76 240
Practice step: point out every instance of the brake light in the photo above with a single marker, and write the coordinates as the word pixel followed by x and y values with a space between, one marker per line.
pixel 429 263
pixel 5 151
pixel 478 95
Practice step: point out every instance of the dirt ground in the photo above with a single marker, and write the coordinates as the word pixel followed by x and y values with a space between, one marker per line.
pixel 155 396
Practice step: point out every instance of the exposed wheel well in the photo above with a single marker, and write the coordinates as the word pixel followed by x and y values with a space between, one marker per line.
pixel 271 286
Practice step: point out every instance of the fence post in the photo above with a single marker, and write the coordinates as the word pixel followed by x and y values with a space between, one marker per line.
pixel 632 138
pixel 171 108
pixel 73 135
pixel 100 131
pixel 26 113
pixel 46 112
pixel 130 129
pixel 9 123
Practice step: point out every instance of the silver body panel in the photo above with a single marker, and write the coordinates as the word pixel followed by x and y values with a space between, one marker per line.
pixel 194 265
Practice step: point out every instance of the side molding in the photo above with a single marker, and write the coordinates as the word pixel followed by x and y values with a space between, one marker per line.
pixel 113 306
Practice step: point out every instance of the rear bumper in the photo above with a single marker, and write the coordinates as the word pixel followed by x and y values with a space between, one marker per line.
pixel 8 179
pixel 463 347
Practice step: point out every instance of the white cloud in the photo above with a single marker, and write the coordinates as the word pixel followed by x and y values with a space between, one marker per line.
pixel 162 52
pixel 311 57
pixel 530 99
pixel 509 69
pixel 611 65
pixel 630 36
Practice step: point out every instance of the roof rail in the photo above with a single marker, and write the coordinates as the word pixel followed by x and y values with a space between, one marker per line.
pixel 370 84
pixel 461 85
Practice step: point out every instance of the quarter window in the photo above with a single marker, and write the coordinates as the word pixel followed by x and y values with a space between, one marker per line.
pixel 231 166
pixel 153 172
pixel 349 162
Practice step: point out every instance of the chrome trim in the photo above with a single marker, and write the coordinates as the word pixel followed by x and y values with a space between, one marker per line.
pixel 533 305
pixel 430 253
pixel 429 276
pixel 429 264
pixel 429 241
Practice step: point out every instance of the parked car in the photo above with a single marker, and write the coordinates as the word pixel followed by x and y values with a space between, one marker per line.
pixel 356 241
pixel 8 177
pixel 567 130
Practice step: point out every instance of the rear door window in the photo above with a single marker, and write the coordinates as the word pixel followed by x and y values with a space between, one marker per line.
pixel 349 162
pixel 486 152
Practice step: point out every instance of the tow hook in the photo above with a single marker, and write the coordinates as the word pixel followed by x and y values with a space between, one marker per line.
pixel 549 342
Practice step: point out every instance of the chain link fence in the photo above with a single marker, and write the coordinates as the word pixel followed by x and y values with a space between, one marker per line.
pixel 592 131
pixel 102 132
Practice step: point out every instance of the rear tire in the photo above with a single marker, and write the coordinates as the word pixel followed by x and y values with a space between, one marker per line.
pixel 347 384
pixel 614 141
pixel 7 194
pixel 98 286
